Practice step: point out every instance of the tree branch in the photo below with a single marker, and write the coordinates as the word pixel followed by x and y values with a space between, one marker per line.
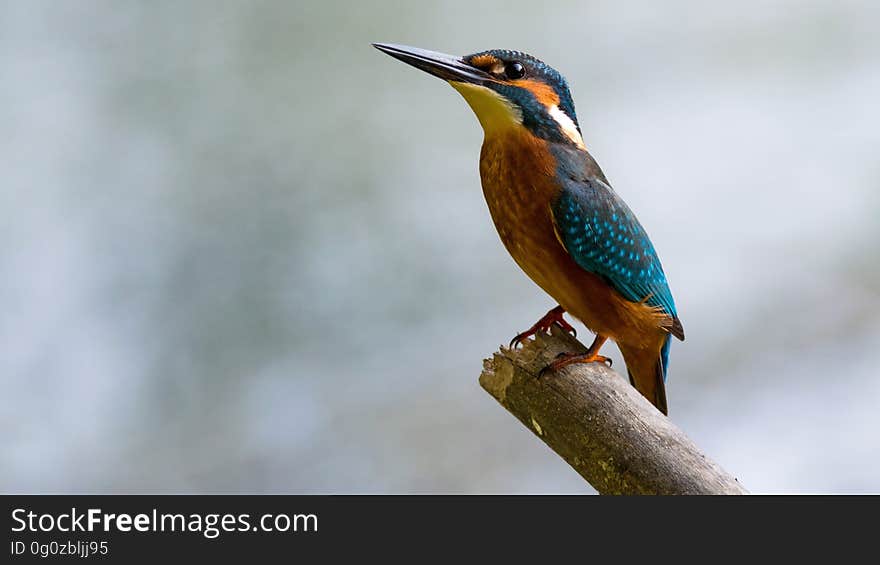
pixel 599 424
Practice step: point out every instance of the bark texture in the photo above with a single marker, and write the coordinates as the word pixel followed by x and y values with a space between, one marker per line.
pixel 599 424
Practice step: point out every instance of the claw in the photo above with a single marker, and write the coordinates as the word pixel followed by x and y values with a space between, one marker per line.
pixel 553 317
pixel 544 371
pixel 566 359
pixel 591 356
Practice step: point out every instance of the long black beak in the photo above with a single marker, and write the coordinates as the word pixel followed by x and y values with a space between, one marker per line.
pixel 447 67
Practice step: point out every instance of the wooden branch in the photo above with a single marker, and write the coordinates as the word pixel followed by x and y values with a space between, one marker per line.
pixel 599 424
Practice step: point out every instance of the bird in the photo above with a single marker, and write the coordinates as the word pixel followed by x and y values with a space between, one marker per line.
pixel 557 214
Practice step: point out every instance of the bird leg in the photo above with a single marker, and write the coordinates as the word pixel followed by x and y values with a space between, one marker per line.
pixel 554 316
pixel 591 356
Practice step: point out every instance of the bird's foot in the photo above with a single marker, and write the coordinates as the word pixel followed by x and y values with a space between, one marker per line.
pixel 552 317
pixel 566 359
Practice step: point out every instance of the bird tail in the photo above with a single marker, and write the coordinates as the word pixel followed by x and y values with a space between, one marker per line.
pixel 647 371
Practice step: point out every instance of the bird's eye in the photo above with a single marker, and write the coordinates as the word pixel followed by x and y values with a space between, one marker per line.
pixel 514 70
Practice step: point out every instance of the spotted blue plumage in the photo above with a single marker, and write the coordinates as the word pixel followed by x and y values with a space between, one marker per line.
pixel 604 237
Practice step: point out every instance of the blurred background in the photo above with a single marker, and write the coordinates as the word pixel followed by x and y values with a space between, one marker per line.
pixel 243 251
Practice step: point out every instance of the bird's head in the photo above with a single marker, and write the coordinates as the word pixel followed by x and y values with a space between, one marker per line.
pixel 505 89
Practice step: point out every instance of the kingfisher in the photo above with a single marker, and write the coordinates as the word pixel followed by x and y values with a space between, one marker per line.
pixel 557 214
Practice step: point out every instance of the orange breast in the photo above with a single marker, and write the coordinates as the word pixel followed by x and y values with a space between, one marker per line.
pixel 518 176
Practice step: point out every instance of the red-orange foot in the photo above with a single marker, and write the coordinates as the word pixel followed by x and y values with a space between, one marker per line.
pixel 554 316
pixel 591 356
pixel 565 359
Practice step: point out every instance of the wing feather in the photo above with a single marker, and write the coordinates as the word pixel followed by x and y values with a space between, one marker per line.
pixel 604 237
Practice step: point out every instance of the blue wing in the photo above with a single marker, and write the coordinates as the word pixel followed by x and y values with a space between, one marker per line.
pixel 604 237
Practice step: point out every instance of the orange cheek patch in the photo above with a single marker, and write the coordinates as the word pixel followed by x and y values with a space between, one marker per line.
pixel 483 61
pixel 543 92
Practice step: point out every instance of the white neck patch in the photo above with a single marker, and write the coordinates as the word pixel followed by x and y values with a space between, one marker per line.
pixel 496 113
pixel 567 125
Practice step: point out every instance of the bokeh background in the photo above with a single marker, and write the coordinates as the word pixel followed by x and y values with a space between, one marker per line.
pixel 242 251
